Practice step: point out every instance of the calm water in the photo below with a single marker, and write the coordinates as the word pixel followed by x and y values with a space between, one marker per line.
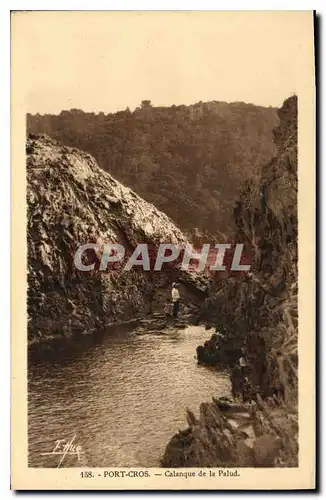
pixel 123 396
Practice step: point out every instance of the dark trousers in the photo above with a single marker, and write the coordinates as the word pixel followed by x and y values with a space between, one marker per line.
pixel 176 307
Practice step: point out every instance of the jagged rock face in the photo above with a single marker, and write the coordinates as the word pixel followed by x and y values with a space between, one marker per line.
pixel 261 311
pixel 71 201
pixel 246 437
pixel 259 315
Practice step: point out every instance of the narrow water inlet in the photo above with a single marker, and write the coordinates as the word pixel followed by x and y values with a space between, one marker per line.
pixel 123 397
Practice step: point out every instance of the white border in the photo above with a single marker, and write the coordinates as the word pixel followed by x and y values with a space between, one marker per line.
pixel 5 156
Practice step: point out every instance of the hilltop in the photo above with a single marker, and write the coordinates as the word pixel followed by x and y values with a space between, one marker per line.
pixel 189 161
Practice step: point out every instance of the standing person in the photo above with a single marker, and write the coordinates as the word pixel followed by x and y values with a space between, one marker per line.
pixel 175 300
pixel 243 362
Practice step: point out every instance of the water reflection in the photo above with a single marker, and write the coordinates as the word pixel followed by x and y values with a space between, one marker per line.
pixel 122 395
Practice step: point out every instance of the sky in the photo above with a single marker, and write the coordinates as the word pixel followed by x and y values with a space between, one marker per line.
pixel 106 61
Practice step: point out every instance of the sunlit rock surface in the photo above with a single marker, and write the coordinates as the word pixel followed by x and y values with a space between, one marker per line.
pixel 71 201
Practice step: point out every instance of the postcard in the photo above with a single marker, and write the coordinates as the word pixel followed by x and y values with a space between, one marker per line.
pixel 163 250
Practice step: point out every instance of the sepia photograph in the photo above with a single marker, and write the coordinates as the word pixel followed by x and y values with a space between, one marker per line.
pixel 160 228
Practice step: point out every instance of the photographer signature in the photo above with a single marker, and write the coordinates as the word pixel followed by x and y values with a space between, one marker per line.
pixel 63 447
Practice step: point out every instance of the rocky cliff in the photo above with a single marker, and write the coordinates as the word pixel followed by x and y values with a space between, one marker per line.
pixel 258 316
pixel 259 311
pixel 71 202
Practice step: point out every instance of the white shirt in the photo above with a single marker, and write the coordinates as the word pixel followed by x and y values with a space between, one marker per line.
pixel 242 362
pixel 175 295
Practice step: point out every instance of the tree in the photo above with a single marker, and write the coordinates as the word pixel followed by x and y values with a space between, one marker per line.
pixel 145 104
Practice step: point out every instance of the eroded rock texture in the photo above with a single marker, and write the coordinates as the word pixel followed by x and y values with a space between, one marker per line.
pixel 258 316
pixel 259 312
pixel 71 202
pixel 241 436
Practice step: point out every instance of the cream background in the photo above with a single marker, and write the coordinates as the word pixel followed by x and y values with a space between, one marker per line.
pixel 109 60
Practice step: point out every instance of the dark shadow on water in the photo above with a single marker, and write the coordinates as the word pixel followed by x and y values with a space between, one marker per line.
pixel 64 349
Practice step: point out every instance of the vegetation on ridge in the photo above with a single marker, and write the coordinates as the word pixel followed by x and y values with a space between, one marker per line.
pixel 189 161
